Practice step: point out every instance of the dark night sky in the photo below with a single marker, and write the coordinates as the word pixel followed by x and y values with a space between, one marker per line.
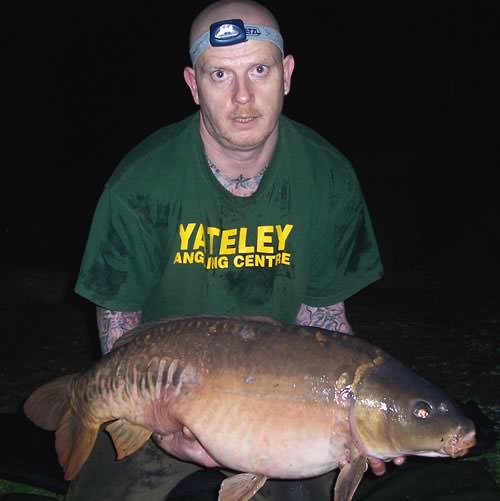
pixel 409 93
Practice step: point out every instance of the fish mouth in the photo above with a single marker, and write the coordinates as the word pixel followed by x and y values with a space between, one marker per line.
pixel 459 444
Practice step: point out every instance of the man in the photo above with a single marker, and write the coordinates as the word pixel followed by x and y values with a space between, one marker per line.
pixel 234 210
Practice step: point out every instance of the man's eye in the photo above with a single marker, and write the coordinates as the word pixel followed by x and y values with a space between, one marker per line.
pixel 261 69
pixel 218 74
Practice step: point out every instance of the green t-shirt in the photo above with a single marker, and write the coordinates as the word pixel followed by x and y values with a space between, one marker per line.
pixel 168 239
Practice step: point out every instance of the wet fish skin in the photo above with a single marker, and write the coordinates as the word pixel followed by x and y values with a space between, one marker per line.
pixel 253 395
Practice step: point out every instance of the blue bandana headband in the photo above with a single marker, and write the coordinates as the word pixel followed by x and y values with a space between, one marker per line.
pixel 231 32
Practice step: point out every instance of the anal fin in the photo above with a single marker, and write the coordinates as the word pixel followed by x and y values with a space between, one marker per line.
pixel 241 487
pixel 127 437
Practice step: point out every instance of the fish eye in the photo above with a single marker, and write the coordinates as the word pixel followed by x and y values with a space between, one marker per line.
pixel 422 410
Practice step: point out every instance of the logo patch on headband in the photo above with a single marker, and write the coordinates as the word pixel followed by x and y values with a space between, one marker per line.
pixel 227 32
pixel 231 32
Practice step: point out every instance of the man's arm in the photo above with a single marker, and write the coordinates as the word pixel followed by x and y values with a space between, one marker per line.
pixel 113 324
pixel 331 317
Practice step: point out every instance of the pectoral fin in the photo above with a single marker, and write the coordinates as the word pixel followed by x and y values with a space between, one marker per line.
pixel 241 487
pixel 127 437
pixel 349 478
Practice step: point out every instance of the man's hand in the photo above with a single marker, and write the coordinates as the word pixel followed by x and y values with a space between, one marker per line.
pixel 378 465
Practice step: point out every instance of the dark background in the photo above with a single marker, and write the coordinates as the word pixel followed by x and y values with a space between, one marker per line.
pixel 409 91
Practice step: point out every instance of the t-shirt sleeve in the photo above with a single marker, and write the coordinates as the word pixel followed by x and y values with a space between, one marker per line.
pixel 118 268
pixel 347 258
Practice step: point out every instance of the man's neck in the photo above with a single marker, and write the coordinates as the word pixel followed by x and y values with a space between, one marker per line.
pixel 233 163
pixel 240 186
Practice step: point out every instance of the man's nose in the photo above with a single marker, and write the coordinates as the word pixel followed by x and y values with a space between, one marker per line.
pixel 243 91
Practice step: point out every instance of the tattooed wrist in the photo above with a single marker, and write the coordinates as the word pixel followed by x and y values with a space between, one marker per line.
pixel 331 317
pixel 113 324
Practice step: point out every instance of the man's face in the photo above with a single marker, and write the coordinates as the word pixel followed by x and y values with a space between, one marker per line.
pixel 240 91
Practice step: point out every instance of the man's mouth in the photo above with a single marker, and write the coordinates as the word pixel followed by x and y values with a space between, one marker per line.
pixel 243 120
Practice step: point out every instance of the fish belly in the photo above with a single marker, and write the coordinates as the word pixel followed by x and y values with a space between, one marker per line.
pixel 277 437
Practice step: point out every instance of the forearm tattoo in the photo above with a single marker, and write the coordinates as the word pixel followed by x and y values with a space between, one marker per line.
pixel 113 324
pixel 331 317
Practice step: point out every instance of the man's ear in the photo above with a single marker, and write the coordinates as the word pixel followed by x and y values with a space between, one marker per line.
pixel 190 79
pixel 288 66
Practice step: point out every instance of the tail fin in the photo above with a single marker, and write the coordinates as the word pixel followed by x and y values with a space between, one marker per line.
pixel 74 443
pixel 48 407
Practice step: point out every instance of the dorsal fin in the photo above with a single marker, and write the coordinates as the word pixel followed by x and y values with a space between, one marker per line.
pixel 262 319
pixel 132 333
